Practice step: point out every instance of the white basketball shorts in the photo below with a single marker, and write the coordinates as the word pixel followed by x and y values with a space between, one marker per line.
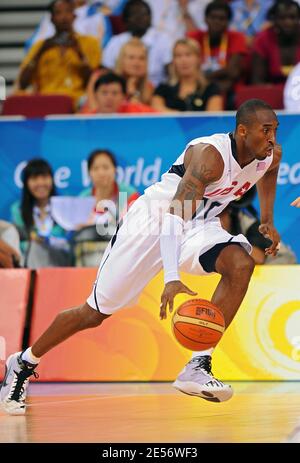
pixel 132 257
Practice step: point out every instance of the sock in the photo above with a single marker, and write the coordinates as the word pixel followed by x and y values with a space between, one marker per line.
pixel 29 357
pixel 203 352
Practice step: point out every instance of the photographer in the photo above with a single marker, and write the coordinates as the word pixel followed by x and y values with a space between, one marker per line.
pixel 63 63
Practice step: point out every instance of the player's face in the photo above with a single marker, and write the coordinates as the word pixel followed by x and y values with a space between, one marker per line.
pixel 260 135
pixel 134 62
pixel 63 16
pixel 40 186
pixel 186 61
pixel 109 98
pixel 102 171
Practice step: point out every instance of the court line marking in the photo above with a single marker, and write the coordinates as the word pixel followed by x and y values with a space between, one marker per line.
pixel 92 398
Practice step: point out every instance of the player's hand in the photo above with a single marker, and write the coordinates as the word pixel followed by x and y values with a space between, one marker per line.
pixel 167 298
pixel 296 203
pixel 269 231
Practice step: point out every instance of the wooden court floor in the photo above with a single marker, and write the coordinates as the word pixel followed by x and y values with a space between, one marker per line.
pixel 154 412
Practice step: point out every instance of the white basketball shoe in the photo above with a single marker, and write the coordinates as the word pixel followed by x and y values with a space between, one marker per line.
pixel 197 379
pixel 15 383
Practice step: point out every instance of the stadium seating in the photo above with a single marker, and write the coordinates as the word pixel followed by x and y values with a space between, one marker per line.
pixel 37 105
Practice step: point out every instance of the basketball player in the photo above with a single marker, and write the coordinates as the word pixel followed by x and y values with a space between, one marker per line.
pixel 159 232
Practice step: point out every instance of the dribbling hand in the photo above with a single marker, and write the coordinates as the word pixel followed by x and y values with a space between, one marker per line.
pixel 167 298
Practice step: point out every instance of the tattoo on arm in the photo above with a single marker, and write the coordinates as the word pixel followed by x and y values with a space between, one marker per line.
pixel 202 174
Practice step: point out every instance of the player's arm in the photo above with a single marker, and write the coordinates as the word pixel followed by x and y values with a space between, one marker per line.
pixel 204 165
pixel 266 188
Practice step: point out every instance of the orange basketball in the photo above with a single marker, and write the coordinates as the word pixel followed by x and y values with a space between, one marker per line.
pixel 198 324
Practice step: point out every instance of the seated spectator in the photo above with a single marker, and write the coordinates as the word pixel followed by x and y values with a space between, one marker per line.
pixel 63 63
pixel 250 16
pixel 89 20
pixel 276 50
pixel 132 65
pixel 10 254
pixel 112 200
pixel 109 97
pixel 240 216
pixel 137 21
pixel 188 89
pixel 223 51
pixel 32 217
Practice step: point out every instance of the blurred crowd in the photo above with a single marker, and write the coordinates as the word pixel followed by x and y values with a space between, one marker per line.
pixel 118 56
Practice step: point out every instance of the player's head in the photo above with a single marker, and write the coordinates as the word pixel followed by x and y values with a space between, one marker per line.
pixel 62 15
pixel 256 125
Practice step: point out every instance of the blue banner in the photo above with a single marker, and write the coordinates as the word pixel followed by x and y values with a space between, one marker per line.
pixel 145 147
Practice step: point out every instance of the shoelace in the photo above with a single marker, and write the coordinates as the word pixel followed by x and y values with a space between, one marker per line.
pixel 20 384
pixel 202 363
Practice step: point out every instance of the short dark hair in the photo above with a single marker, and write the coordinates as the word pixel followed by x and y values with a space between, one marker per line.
pixel 110 78
pixel 98 152
pixel 273 11
pixel 218 5
pixel 130 4
pixel 247 111
pixel 51 6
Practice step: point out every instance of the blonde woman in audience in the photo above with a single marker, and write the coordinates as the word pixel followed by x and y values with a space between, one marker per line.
pixel 187 89
pixel 132 65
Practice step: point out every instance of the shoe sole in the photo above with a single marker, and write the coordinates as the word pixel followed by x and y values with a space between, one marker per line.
pixel 222 396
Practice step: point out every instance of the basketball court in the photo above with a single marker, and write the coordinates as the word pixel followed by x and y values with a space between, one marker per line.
pixel 154 412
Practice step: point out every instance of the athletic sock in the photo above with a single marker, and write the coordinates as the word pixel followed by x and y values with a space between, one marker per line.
pixel 28 357
pixel 203 352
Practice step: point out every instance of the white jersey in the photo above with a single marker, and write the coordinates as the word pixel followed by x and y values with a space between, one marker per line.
pixel 234 182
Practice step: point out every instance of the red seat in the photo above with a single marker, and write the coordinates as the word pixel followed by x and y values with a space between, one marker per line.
pixel 37 105
pixel 270 93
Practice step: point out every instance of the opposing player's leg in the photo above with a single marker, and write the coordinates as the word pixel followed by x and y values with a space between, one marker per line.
pixel 232 261
pixel 130 262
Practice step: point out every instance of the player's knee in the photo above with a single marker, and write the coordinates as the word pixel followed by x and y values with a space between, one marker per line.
pixel 241 267
pixel 90 318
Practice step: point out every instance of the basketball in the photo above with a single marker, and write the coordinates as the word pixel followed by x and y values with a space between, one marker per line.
pixel 198 324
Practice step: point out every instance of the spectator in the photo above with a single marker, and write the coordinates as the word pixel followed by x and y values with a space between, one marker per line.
pixel 89 20
pixel 132 65
pixel 112 199
pixel 137 20
pixel 188 90
pixel 10 255
pixel 250 16
pixel 223 50
pixel 276 50
pixel 63 63
pixel 32 215
pixel 110 97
